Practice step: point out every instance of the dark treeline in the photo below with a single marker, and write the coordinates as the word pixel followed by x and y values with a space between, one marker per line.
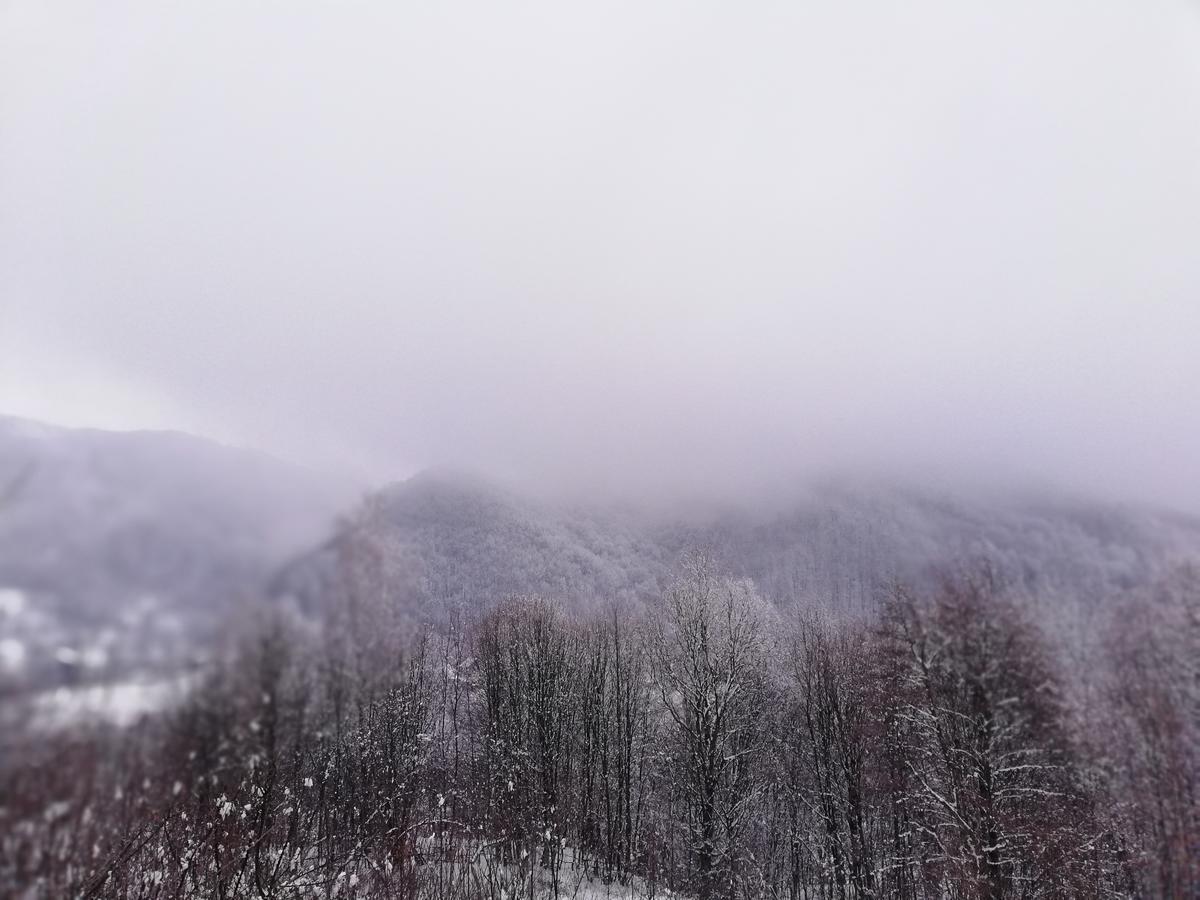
pixel 711 746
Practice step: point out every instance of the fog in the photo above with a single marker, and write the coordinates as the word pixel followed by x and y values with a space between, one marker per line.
pixel 627 247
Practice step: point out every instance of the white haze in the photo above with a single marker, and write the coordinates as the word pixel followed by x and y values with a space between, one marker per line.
pixel 625 246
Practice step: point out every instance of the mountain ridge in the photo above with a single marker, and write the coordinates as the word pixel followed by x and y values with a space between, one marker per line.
pixel 135 549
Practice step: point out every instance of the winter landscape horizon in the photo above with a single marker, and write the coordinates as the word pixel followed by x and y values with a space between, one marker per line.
pixel 536 451
pixel 151 578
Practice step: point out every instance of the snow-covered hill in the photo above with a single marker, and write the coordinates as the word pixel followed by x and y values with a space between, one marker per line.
pixel 122 551
pixel 443 538
pixel 124 554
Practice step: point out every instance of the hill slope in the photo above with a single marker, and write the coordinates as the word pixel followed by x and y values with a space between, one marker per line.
pixel 442 538
pixel 125 552
pixel 121 550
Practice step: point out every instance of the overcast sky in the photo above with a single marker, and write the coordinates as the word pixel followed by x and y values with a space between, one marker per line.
pixel 623 245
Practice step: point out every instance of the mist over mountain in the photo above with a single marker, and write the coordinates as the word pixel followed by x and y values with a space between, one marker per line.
pixel 126 550
pixel 444 538
pixel 166 593
pixel 162 591
pixel 549 450
pixel 623 251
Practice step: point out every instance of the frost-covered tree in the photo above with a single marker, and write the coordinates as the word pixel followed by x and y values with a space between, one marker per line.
pixel 990 779
pixel 1150 747
pixel 709 641
pixel 826 737
pixel 707 746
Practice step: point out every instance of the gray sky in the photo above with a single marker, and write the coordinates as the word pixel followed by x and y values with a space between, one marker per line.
pixel 621 245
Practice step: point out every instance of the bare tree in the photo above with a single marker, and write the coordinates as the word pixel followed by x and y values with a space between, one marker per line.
pixel 826 736
pixel 709 640
pixel 705 746
pixel 1151 745
pixel 991 783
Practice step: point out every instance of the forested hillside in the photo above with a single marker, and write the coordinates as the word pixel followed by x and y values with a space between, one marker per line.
pixel 442 539
pixel 463 692
pixel 123 554
pixel 709 746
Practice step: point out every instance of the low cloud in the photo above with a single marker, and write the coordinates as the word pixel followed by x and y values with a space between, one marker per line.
pixel 669 248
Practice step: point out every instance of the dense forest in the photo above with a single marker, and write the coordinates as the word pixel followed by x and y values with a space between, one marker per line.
pixel 939 744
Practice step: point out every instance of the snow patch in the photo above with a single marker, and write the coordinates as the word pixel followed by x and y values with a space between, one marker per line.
pixel 12 655
pixel 121 704
pixel 12 602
